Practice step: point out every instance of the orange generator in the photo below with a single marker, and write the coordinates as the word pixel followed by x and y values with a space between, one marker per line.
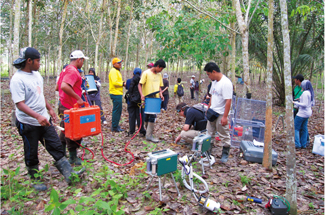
pixel 82 122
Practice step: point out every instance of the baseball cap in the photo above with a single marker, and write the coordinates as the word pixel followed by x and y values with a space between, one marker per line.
pixel 299 77
pixel 150 64
pixel 116 60
pixel 78 54
pixel 25 53
pixel 193 76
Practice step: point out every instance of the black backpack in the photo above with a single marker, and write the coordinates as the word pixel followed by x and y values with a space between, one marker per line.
pixel 180 90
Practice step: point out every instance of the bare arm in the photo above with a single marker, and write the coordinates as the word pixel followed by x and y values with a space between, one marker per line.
pixel 27 110
pixel 140 91
pixel 224 120
pixel 69 91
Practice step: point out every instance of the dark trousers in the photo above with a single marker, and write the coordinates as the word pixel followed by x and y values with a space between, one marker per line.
pixel 150 117
pixel 99 104
pixel 46 135
pixel 165 102
pixel 71 144
pixel 117 109
pixel 134 114
pixel 192 93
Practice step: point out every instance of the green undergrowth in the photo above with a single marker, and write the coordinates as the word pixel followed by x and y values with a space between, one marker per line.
pixel 106 192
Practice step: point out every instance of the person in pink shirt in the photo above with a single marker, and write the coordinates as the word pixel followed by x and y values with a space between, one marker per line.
pixel 69 87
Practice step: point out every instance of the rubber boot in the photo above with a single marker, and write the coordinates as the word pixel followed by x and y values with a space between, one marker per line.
pixel 225 154
pixel 149 136
pixel 38 185
pixel 73 159
pixel 65 169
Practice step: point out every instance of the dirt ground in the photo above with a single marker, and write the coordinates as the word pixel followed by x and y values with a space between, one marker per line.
pixel 225 180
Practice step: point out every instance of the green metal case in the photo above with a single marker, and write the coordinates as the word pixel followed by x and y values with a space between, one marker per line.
pixel 204 140
pixel 162 162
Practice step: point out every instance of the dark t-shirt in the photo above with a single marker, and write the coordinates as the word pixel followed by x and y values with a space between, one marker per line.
pixel 166 84
pixel 196 118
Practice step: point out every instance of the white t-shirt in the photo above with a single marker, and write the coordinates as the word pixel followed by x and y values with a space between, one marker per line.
pixel 192 83
pixel 220 91
pixel 28 87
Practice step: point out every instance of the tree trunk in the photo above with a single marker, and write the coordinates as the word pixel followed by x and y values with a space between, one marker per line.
pixel 127 43
pixel 110 20
pixel 30 20
pixel 291 183
pixel 16 32
pixel 64 14
pixel 10 57
pixel 116 27
pixel 137 61
pixel 267 158
pixel 99 34
pixel 233 57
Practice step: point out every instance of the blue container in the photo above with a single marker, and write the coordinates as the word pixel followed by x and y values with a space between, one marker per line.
pixel 239 80
pixel 91 87
pixel 152 105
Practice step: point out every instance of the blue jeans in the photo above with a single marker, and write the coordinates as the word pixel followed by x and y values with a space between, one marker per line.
pixel 301 132
pixel 117 109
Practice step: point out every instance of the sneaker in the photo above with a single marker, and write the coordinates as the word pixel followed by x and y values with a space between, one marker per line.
pixel 105 122
pixel 118 129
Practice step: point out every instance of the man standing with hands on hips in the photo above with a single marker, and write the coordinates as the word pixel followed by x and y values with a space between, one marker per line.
pixel 221 95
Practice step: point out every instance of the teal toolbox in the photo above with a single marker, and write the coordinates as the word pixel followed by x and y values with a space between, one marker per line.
pixel 201 143
pixel 161 162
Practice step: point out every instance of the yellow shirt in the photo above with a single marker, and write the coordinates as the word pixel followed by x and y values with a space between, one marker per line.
pixel 151 82
pixel 176 87
pixel 115 82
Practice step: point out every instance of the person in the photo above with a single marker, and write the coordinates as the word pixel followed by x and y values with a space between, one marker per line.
pixel 70 92
pixel 195 121
pixel 221 96
pixel 116 85
pixel 192 86
pixel 94 97
pixel 307 100
pixel 297 91
pixel 150 65
pixel 134 99
pixel 165 92
pixel 207 96
pixel 150 82
pixel 33 121
pixel 178 94
pixel 196 90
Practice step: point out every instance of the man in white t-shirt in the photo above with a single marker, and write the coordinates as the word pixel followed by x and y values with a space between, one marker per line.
pixel 192 86
pixel 221 95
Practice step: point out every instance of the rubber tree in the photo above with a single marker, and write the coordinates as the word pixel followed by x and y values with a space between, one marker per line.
pixel 64 14
pixel 243 23
pixel 113 52
pixel 267 158
pixel 291 182
pixel 128 40
pixel 16 33
pixel 30 21
pixel 102 12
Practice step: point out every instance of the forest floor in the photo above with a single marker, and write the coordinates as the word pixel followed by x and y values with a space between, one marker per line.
pixel 106 188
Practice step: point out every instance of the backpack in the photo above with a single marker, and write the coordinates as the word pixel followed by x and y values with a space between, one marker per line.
pixel 196 85
pixel 180 90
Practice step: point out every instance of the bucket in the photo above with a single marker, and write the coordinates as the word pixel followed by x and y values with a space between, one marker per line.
pixel 152 105
pixel 91 82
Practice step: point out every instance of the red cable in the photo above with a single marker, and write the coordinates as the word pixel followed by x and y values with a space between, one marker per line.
pixel 124 147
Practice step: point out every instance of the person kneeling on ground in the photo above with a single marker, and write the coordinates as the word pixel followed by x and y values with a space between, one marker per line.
pixel 194 116
pixel 32 119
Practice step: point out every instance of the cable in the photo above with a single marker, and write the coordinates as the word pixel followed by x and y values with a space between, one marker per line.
pixel 284 200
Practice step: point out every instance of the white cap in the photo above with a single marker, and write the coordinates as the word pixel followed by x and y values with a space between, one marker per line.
pixel 193 76
pixel 78 54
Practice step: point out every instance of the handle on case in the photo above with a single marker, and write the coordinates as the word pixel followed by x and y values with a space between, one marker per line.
pixel 77 106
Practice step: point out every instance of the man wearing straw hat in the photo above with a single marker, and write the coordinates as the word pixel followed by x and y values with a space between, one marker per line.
pixel 150 82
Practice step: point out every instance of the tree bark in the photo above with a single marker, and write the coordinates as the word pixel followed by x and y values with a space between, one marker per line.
pixel 64 14
pixel 116 27
pixel 291 183
pixel 99 35
pixel 10 57
pixel 16 32
pixel 30 21
pixel 127 43
pixel 233 57
pixel 267 158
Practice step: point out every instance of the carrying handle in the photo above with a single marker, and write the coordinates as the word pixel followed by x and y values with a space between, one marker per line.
pixel 77 106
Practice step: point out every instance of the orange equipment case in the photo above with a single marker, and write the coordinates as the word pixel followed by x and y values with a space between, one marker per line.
pixel 82 122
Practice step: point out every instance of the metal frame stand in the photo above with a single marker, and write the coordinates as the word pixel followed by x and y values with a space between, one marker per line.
pixel 163 185
pixel 208 157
